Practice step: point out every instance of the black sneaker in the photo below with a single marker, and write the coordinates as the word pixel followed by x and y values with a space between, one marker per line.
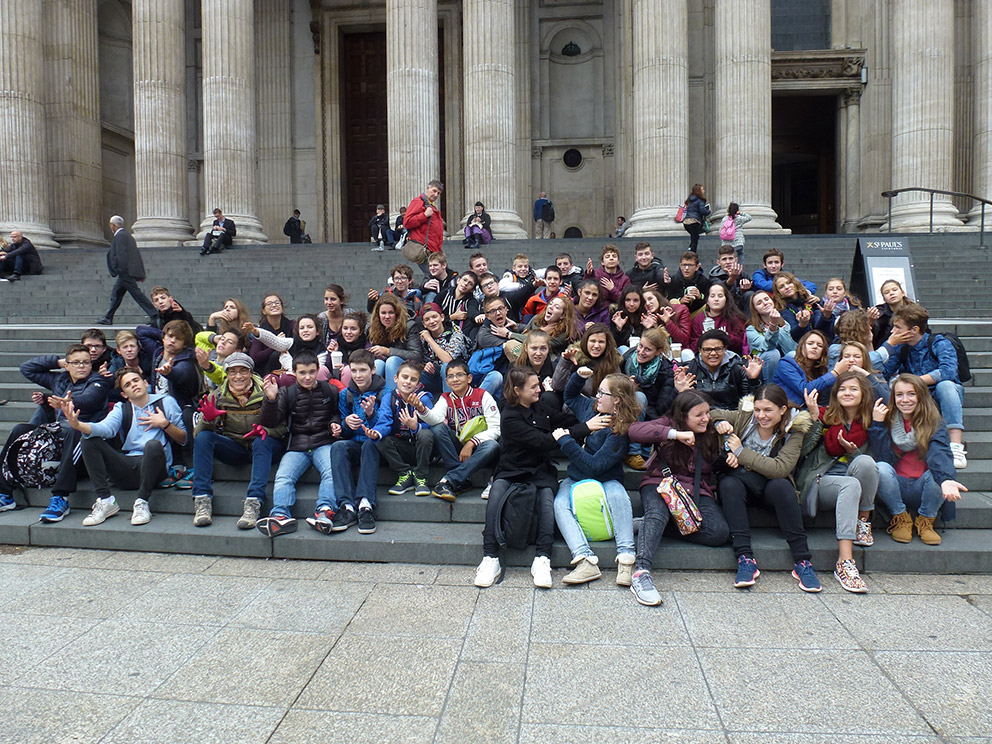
pixel 276 525
pixel 366 522
pixel 343 519
pixel 443 491
pixel 406 482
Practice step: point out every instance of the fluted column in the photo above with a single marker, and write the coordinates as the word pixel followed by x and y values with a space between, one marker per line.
pixel 230 142
pixel 743 87
pixel 852 168
pixel 661 121
pixel 922 112
pixel 274 42
pixel 160 122
pixel 982 150
pixel 489 116
pixel 23 177
pixel 75 168
pixel 412 114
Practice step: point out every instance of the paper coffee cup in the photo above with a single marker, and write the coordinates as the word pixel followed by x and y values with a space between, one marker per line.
pixel 336 359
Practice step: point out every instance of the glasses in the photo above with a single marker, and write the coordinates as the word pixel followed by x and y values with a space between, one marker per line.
pixel 273 303
pixel 238 372
pixel 489 285
pixel 603 393
pixel 95 346
pixel 711 350
pixel 80 363
pixel 495 310
pixel 455 375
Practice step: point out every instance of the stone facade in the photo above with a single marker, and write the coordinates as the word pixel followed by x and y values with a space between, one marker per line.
pixel 161 110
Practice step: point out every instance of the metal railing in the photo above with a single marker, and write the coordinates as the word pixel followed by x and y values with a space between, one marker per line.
pixel 895 192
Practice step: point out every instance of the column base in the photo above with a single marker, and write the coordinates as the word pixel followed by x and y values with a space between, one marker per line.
pixel 40 235
pixel 974 218
pixel 249 229
pixel 654 221
pixel 764 221
pixel 915 217
pixel 75 240
pixel 506 225
pixel 161 231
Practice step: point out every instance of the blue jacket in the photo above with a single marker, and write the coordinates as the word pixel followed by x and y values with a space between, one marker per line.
pixel 696 208
pixel 350 402
pixel 539 207
pixel 941 362
pixel 763 280
pixel 388 422
pixel 601 458
pixel 89 395
pixel 791 378
pixel 816 322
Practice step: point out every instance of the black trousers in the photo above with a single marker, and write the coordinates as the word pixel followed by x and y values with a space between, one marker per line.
pixel 128 472
pixel 545 519
pixel 695 230
pixel 746 486
pixel 404 454
pixel 657 522
pixel 129 285
pixel 65 481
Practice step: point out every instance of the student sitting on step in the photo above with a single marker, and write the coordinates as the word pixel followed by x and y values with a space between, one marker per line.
pixel 612 280
pixel 309 411
pixel 391 337
pixel 549 287
pixel 146 425
pixel 517 284
pixel 174 367
pixel 130 355
pixel 440 278
pixel 772 263
pixel 213 348
pixel 402 288
pixel 305 338
pixel 800 309
pixel 170 309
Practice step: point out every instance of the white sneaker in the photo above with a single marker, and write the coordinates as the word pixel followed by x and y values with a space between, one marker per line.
pixel 958 452
pixel 486 490
pixel 102 509
pixel 540 569
pixel 487 572
pixel 140 513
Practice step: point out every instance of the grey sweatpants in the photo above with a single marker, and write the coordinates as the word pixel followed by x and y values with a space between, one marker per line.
pixel 849 494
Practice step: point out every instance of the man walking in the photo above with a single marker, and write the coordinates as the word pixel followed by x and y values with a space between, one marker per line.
pixel 124 262
pixel 293 228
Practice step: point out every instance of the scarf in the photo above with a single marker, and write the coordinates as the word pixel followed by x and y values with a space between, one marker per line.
pixel 316 346
pixel 347 348
pixel 904 441
pixel 645 374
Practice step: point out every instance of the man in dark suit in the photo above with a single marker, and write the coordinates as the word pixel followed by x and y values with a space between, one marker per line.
pixel 124 262
pixel 20 257
pixel 293 228
pixel 220 235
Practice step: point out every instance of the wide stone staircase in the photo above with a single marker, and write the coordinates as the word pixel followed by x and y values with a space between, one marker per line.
pixel 44 314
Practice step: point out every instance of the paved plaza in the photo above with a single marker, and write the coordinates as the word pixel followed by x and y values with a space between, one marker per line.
pixel 104 646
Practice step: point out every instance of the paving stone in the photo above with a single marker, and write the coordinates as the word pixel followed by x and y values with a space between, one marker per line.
pixel 62 557
pixel 30 639
pixel 760 737
pixel 390 573
pixel 500 626
pixel 158 562
pixel 169 721
pixel 270 568
pixel 545 733
pixel 303 606
pixel 483 704
pixel 208 600
pixel 353 728
pixel 894 583
pixel 432 611
pixel 18 579
pixel 85 592
pixel 86 721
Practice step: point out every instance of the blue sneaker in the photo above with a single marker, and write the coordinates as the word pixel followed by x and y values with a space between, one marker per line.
pixel 803 572
pixel 7 502
pixel 58 507
pixel 747 572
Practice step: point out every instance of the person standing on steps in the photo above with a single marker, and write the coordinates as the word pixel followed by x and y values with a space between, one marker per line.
pixel 124 262
pixel 544 215
pixel 423 221
pixel 696 212
pixel 293 228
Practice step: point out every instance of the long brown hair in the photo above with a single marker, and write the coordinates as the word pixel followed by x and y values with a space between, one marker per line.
pixel 802 294
pixel 379 335
pixel 516 378
pixel 732 315
pixel 565 324
pixel 865 354
pixel 679 455
pixel 609 361
pixel 755 320
pixel 854 325
pixel 836 414
pixel 812 368
pixel 223 326
pixel 778 398
pixel 626 408
pixel 926 418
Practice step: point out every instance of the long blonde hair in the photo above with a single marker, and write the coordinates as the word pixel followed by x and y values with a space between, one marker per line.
pixel 564 325
pixel 626 409
pixel 925 419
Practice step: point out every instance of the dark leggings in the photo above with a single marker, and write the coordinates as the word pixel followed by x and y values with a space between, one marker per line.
pixel 545 519
pixel 777 494
pixel 694 230
pixel 713 531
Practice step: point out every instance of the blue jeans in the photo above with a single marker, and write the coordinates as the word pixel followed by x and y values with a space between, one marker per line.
pixel 291 468
pixel 771 358
pixel 209 445
pixel 389 370
pixel 623 519
pixel 345 455
pixel 433 382
pixel 897 492
pixel 950 400
pixel 447 447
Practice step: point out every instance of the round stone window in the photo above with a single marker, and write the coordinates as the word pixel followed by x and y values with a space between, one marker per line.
pixel 572 158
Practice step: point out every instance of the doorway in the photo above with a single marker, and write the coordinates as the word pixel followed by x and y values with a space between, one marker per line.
pixel 804 134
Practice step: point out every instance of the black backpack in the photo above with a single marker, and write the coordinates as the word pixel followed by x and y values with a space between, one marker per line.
pixel 964 368
pixel 127 418
pixel 548 212
pixel 33 459
pixel 517 526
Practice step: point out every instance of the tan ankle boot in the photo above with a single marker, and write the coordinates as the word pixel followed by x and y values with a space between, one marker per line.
pixel 924 526
pixel 901 528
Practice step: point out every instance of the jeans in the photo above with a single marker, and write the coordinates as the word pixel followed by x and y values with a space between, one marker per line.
pixel 345 455
pixel 778 494
pixel 644 450
pixel 713 531
pixel 126 471
pixel 771 358
pixel 209 445
pixel 129 285
pixel 545 519
pixel 447 447
pixel 618 501
pixel 950 400
pixel 898 493
pixel 291 468
pixel 849 494
pixel 14 265
pixel 403 454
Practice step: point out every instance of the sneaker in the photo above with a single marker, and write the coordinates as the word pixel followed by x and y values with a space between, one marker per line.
pixel 924 527
pixel 803 573
pixel 901 528
pixel 747 572
pixel 377 249
pixel 171 479
pixel 406 482
pixel 366 522
pixel 276 524
pixel 421 489
pixel 864 537
pixel 587 570
pixel 846 572
pixel 485 491
pixel 102 510
pixel 185 481
pixel 488 573
pixel 250 515
pixel 7 502
pixel 540 569
pixel 625 570
pixel 642 585
pixel 57 509
pixel 324 514
pixel 140 513
pixel 344 518
pixel 443 491
pixel 635 462
pixel 203 509
pixel 960 456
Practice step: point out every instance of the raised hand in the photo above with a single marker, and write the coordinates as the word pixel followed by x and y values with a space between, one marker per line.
pixel 873 314
pixel 753 367
pixel 599 421
pixel 570 354
pixel 952 490
pixel 154 420
pixel 666 277
pixel 584 372
pixel 803 317
pixel 559 433
pixel 270 387
pixel 409 420
pixel 879 411
pixel 202 357
pixel 812 398
pixel 618 320
pixel 368 405
pixel 165 369
pixel 208 407
pixel 849 447
pixel 667 313
pixel 589 266
pixel 249 328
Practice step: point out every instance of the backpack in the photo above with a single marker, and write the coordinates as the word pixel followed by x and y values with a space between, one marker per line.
pixel 127 418
pixel 964 368
pixel 548 212
pixel 483 361
pixel 517 527
pixel 728 229
pixel 34 458
pixel 587 499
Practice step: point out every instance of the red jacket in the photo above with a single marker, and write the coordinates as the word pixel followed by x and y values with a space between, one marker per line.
pixel 738 337
pixel 856 436
pixel 417 224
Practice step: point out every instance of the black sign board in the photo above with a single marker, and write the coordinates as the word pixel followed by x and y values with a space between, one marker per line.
pixel 878 260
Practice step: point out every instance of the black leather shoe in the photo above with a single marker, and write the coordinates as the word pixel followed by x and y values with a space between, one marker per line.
pixel 104 321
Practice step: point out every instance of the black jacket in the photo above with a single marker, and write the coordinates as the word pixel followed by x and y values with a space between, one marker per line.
pixel 660 393
pixel 728 385
pixel 123 258
pixel 526 444
pixel 231 231
pixel 184 380
pixel 181 314
pixel 309 423
pixel 89 395
pixel 26 249
pixel 679 284
pixel 653 274
pixel 293 229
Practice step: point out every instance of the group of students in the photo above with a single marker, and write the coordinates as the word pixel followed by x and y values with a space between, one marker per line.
pixel 742 389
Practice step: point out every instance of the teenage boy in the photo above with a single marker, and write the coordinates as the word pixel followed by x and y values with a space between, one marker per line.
pixel 478 264
pixel 146 425
pixel 170 309
pixel 648 272
pixel 728 270
pixel 175 370
pixel 230 430
pixel 358 405
pixel 462 444
pixel 309 411
pixel 551 289
pixel 690 286
pixel 71 377
pixel 517 284
pixel 571 275
pixel 213 348
pixel 440 279
pixel 612 280
pixel 489 285
pixel 402 276
pixel 772 263
pixel 931 357
pixel 497 329
pixel 95 342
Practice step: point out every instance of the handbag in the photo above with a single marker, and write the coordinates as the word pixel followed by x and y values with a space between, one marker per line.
pixel 414 251
pixel 684 511
pixel 680 214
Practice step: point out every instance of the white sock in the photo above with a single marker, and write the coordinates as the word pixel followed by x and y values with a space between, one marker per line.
pixel 365 504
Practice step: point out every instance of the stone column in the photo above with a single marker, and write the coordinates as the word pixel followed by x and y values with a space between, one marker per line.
pixel 489 116
pixel 743 149
pixel 982 148
pixel 922 112
pixel 160 161
pixel 413 115
pixel 75 160
pixel 852 170
pixel 23 176
pixel 230 146
pixel 661 121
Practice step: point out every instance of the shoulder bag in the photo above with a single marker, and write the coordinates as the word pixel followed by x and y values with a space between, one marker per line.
pixel 684 511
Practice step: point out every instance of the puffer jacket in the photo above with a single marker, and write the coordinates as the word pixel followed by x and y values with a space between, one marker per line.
pixel 728 384
pixel 89 395
pixel 310 422
pixel 239 420
pixel 786 449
